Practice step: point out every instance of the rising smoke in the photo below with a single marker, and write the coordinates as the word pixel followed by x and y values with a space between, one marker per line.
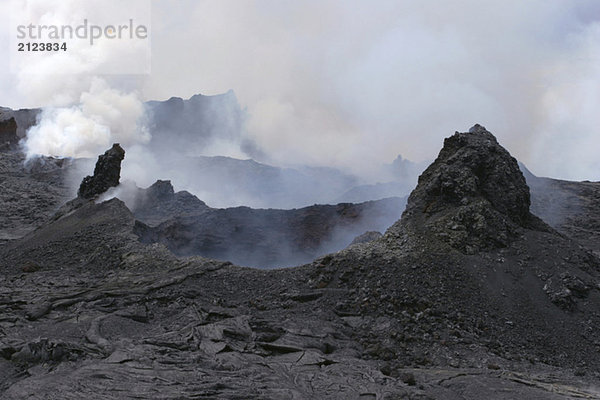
pixel 353 84
pixel 345 84
pixel 103 116
pixel 84 110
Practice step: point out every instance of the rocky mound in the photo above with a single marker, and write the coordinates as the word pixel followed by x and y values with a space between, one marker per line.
pixel 31 192
pixel 106 173
pixel 82 235
pixel 468 264
pixel 160 203
pixel 473 196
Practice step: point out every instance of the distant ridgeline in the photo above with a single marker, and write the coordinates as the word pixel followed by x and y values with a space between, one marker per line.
pixel 188 126
pixel 183 130
pixel 184 125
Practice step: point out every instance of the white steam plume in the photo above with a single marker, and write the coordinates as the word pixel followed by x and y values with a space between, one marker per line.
pixel 102 117
pixel 83 113
pixel 353 83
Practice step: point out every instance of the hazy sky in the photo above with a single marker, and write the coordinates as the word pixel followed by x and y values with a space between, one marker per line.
pixel 352 83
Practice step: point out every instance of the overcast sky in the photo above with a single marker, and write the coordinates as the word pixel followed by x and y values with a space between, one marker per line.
pixel 352 83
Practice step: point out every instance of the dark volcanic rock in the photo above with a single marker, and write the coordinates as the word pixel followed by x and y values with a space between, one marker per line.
pixel 160 191
pixel 366 237
pixel 106 174
pixel 159 203
pixel 24 119
pixel 522 291
pixel 81 234
pixel 474 195
pixel 572 208
pixel 8 134
pixel 31 192
pixel 254 237
pixel 405 316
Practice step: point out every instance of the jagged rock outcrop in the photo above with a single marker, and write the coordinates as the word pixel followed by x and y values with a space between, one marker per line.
pixel 23 119
pixel 160 191
pixel 159 203
pixel 106 173
pixel 8 134
pixel 473 196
